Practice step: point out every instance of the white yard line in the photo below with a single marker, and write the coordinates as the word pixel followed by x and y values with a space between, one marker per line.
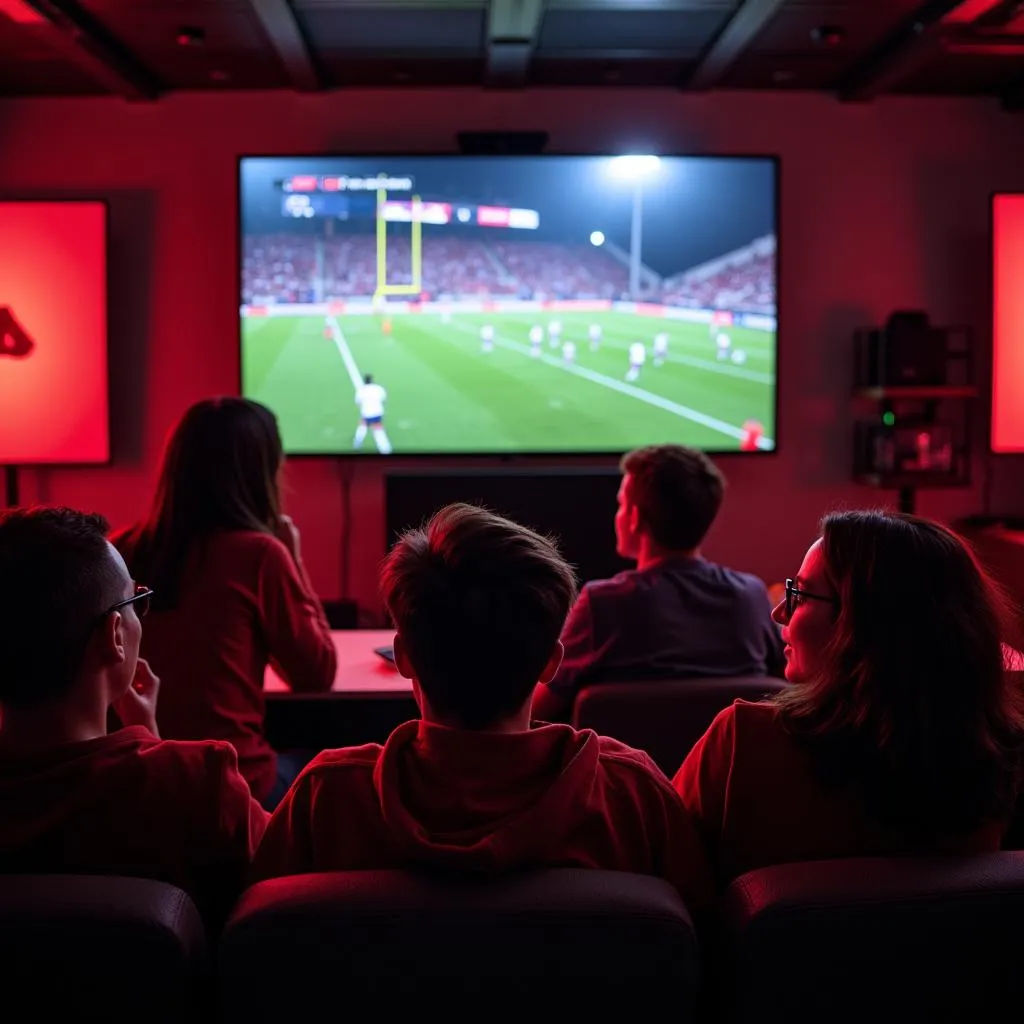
pixel 345 352
pixel 684 412
pixel 726 369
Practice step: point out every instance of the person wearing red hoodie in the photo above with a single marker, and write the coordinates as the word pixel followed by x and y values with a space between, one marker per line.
pixel 75 798
pixel 478 603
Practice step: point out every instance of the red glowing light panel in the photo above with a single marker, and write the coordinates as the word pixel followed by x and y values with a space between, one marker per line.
pixel 54 402
pixel 1008 322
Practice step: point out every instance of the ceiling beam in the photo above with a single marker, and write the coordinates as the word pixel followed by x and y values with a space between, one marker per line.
pixel 282 29
pixel 82 40
pixel 911 46
pixel 740 31
pixel 512 30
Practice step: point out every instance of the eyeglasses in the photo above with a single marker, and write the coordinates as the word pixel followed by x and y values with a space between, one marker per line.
pixel 141 599
pixel 794 595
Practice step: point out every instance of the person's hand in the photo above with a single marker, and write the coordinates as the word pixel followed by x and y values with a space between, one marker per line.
pixel 137 706
pixel 288 535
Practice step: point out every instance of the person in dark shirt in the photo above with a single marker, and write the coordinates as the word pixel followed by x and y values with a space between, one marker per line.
pixel 677 614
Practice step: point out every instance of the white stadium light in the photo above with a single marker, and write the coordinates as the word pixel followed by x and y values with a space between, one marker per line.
pixel 463 215
pixel 597 238
pixel 633 168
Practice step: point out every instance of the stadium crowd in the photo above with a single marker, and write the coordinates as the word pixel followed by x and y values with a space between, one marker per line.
pixel 283 268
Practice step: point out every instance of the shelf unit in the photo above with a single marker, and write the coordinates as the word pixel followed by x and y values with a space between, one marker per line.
pixel 914 436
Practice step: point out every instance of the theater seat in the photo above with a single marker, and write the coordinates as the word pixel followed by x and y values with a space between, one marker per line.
pixel 665 717
pixel 876 940
pixel 100 949
pixel 454 947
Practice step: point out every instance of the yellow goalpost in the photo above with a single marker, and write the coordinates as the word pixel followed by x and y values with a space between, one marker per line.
pixel 416 286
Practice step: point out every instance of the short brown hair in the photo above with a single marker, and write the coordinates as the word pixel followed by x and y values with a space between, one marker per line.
pixel 57 576
pixel 479 602
pixel 912 708
pixel 678 492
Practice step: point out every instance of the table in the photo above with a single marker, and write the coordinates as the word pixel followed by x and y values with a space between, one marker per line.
pixel 361 674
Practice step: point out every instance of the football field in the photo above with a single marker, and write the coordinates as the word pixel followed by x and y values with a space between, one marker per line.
pixel 445 394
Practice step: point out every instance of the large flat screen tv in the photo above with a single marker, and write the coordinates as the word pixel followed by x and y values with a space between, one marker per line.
pixel 510 305
pixel 1008 323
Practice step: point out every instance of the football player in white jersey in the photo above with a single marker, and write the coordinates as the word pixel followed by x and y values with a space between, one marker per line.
pixel 487 338
pixel 569 352
pixel 370 398
pixel 660 348
pixel 723 343
pixel 536 339
pixel 554 333
pixel 637 358
pixel 595 337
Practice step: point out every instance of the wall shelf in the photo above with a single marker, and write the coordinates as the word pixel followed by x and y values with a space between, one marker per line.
pixel 910 436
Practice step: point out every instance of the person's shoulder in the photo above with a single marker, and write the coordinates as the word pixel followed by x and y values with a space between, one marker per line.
pixel 621 583
pixel 737 577
pixel 189 772
pixel 196 757
pixel 344 762
pixel 742 582
pixel 620 760
pixel 249 549
pixel 749 719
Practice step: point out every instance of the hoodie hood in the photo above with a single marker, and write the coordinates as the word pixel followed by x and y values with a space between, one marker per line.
pixel 40 790
pixel 485 801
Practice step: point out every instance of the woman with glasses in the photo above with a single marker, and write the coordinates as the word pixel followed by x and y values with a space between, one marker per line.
pixel 901 732
pixel 231 593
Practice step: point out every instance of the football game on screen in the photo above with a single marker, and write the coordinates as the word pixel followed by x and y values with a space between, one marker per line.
pixel 510 305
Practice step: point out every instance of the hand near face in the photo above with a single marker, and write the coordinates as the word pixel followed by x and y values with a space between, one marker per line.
pixel 288 534
pixel 137 705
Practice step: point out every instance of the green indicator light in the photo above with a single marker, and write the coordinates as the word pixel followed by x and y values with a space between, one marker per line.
pixel 889 418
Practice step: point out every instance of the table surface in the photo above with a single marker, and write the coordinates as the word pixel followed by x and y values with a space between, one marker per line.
pixel 360 672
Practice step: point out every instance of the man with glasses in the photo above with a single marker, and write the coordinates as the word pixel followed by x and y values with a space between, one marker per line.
pixel 74 796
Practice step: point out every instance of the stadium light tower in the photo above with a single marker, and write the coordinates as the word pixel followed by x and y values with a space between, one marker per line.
pixel 635 169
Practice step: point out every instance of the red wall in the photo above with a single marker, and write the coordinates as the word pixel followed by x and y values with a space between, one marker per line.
pixel 884 206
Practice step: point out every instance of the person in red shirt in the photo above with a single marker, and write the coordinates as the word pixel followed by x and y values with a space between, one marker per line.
pixel 478 603
pixel 901 732
pixel 231 593
pixel 75 798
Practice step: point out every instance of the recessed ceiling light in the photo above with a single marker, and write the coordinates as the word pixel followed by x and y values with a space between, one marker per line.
pixel 828 35
pixel 188 35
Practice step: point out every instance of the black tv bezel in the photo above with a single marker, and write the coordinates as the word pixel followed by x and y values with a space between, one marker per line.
pixel 536 458
pixel 104 203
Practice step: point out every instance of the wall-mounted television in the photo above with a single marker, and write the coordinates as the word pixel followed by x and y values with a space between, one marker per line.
pixel 54 396
pixel 1007 435
pixel 510 305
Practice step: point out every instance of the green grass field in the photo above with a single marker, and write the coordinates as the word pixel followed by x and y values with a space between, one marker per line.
pixel 445 394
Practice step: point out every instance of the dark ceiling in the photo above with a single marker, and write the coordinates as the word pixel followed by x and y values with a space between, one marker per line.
pixel 856 49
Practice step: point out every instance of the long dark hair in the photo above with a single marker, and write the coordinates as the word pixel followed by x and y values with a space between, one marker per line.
pixel 219 472
pixel 911 707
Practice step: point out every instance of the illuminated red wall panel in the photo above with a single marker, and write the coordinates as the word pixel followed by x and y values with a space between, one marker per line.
pixel 53 333
pixel 1008 320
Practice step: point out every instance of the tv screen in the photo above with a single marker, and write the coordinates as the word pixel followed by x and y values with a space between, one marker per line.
pixel 1008 323
pixel 54 399
pixel 510 305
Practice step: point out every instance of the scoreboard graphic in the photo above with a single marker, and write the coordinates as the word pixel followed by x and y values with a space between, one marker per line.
pixel 54 402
